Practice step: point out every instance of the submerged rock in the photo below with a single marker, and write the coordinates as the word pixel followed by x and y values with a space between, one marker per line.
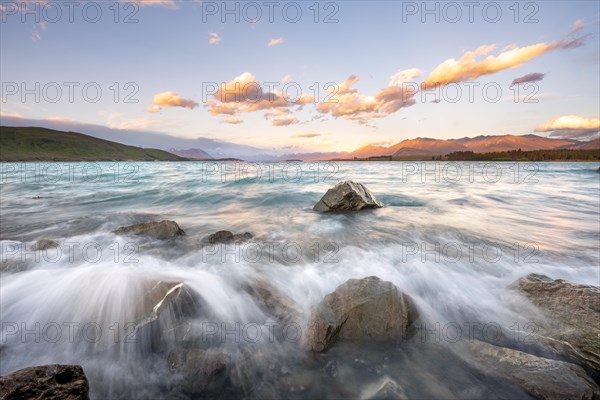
pixel 367 309
pixel 385 389
pixel 44 244
pixel 159 230
pixel 199 370
pixel 158 296
pixel 573 313
pixel 347 196
pixel 274 302
pixel 542 378
pixel 224 237
pixel 47 382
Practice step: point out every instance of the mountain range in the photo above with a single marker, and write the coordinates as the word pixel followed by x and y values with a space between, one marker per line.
pixel 207 148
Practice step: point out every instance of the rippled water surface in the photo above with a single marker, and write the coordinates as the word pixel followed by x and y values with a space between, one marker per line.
pixel 453 243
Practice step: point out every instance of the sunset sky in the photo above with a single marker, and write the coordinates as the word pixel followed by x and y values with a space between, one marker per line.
pixel 177 53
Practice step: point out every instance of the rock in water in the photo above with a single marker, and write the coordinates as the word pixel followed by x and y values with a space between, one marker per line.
pixel 367 309
pixel 158 230
pixel 573 312
pixel 227 237
pixel 347 196
pixel 385 389
pixel 199 370
pixel 542 378
pixel 47 382
pixel 275 302
pixel 44 244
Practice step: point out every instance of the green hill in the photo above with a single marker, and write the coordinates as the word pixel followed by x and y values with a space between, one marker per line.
pixel 41 144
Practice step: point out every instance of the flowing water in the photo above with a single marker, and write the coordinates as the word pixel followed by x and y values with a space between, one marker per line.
pixel 453 236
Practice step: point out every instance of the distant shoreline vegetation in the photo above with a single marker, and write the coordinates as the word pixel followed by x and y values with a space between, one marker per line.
pixel 566 155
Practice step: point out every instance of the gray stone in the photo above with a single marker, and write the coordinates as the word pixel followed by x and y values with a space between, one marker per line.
pixel 199 370
pixel 225 237
pixel 542 378
pixel 367 309
pixel 347 196
pixel 572 314
pixel 274 302
pixel 44 244
pixel 46 382
pixel 159 230
pixel 385 389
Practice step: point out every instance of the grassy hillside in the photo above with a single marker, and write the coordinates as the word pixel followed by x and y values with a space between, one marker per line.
pixel 41 144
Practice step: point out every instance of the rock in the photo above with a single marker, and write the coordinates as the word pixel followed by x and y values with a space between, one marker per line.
pixel 540 377
pixel 199 370
pixel 573 313
pixel 44 244
pixel 159 230
pixel 385 389
pixel 347 196
pixel 159 295
pixel 224 237
pixel 48 382
pixel 367 309
pixel 274 302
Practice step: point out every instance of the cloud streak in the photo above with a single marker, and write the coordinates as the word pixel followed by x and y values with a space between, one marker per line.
pixel 306 135
pixel 470 66
pixel 534 77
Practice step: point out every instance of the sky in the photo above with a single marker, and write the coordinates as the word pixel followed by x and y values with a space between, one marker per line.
pixel 305 76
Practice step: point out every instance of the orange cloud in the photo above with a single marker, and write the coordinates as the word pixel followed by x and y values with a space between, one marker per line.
pixel 168 100
pixel 285 121
pixel 469 67
pixel 232 120
pixel 275 42
pixel 244 94
pixel 569 122
pixel 347 103
pixel 407 75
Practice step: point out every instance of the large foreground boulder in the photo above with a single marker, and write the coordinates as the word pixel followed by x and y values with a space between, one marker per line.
pixel 47 382
pixel 159 230
pixel 541 377
pixel 367 309
pixel 572 313
pixel 347 196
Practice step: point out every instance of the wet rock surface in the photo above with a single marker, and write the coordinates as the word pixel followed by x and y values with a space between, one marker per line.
pixel 572 317
pixel 366 309
pixel 347 196
pixel 158 230
pixel 47 382
pixel 541 377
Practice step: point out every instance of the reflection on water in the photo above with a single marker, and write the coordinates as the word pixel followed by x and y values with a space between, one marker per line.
pixel 453 236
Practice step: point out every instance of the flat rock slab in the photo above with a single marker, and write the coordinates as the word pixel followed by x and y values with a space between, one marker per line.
pixel 541 377
pixel 572 310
